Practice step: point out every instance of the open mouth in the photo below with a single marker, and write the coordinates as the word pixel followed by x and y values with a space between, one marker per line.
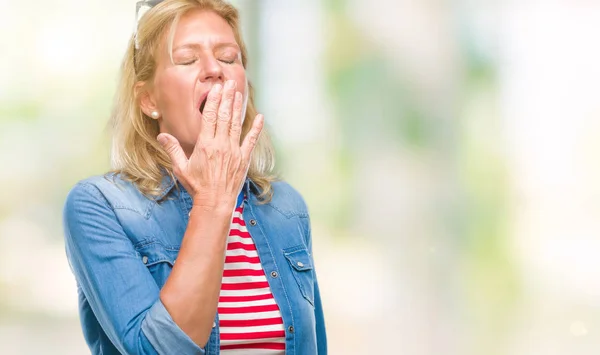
pixel 203 102
pixel 202 105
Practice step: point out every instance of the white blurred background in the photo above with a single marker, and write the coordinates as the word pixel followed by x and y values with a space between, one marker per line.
pixel 447 151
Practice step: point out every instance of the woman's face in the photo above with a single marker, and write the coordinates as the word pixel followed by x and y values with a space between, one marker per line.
pixel 205 53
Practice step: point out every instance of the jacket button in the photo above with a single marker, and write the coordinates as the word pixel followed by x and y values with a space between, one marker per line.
pixel 273 274
pixel 253 222
pixel 300 264
pixel 214 324
pixel 291 329
pixel 145 259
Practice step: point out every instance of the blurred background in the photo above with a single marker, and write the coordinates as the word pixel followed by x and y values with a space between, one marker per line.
pixel 447 151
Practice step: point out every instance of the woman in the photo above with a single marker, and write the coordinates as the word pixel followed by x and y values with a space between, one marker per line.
pixel 190 246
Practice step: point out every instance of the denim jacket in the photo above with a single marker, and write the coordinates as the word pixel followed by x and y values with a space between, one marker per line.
pixel 121 247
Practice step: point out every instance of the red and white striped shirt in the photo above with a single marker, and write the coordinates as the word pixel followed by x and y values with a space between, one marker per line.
pixel 250 322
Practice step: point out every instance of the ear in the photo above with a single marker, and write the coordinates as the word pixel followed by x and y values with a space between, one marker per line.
pixel 146 100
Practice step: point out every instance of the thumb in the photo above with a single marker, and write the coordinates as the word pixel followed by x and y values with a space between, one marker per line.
pixel 171 145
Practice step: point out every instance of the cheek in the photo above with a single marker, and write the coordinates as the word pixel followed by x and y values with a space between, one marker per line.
pixel 174 84
pixel 245 104
pixel 239 75
pixel 242 86
pixel 173 96
pixel 164 93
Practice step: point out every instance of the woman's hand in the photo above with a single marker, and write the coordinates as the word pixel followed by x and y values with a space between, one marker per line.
pixel 215 171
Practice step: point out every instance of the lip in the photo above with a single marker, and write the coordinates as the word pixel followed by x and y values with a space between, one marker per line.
pixel 201 100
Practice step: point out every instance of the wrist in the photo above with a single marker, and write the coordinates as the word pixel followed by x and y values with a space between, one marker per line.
pixel 220 207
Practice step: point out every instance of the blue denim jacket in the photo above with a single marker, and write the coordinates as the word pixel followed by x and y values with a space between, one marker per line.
pixel 121 247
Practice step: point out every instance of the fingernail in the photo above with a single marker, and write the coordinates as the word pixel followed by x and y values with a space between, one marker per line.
pixel 230 84
pixel 162 139
pixel 217 88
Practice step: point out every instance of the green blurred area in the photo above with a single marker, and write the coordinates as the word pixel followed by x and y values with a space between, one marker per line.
pixel 408 182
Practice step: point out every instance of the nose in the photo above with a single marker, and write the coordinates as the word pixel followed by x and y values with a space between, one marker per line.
pixel 211 70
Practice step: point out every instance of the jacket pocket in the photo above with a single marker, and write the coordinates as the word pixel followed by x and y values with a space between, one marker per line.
pixel 158 258
pixel 302 268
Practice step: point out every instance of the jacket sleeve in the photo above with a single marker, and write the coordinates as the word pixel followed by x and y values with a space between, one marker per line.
pixel 118 286
pixel 320 320
pixel 319 316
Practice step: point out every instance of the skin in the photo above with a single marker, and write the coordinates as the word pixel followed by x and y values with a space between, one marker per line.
pixel 205 53
pixel 206 154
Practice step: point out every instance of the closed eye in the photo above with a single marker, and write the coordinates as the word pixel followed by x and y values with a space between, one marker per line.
pixel 189 62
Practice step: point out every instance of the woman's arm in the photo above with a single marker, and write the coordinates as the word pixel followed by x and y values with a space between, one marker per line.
pixel 213 175
pixel 117 285
pixel 137 316
pixel 319 316
pixel 320 319
pixel 191 293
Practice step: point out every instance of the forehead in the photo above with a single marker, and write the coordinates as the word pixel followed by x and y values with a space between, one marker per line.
pixel 202 26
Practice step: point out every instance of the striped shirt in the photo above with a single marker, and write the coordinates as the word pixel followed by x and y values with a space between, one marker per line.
pixel 250 322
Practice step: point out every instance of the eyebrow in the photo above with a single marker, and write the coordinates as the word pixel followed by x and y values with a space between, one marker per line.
pixel 199 46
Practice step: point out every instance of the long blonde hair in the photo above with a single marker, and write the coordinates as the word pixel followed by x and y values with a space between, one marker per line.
pixel 136 155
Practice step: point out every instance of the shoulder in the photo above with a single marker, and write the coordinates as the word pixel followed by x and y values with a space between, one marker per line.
pixel 108 189
pixel 288 200
pixel 290 203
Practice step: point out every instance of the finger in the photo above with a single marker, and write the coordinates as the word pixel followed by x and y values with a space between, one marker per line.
pixel 235 130
pixel 252 137
pixel 173 149
pixel 209 116
pixel 224 114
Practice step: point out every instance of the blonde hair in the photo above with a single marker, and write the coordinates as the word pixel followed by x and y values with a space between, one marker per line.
pixel 136 155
